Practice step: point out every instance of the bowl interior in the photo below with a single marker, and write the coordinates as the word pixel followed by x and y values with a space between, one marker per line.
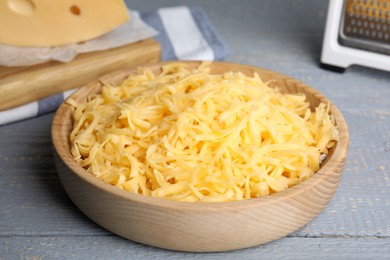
pixel 62 126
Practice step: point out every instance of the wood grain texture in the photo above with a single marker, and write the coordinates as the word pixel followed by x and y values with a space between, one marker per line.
pixel 112 247
pixel 200 227
pixel 46 79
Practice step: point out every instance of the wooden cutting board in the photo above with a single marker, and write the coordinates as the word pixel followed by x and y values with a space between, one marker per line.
pixel 21 85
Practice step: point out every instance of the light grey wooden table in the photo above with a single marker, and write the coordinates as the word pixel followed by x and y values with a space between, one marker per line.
pixel 38 221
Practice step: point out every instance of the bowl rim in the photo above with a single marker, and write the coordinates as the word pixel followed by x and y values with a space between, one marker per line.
pixel 60 143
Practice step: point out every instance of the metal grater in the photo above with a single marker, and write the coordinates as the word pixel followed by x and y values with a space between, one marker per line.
pixel 365 24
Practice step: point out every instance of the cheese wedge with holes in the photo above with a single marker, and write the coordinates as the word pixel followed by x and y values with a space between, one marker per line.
pixel 43 23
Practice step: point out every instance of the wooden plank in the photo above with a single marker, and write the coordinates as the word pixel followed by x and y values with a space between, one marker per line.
pixel 30 190
pixel 361 206
pixel 53 77
pixel 112 247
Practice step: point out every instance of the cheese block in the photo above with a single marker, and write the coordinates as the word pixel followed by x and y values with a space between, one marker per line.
pixel 44 23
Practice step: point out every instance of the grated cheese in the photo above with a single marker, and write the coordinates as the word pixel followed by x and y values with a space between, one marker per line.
pixel 194 136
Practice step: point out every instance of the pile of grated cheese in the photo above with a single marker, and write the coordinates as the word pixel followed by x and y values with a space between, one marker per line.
pixel 189 135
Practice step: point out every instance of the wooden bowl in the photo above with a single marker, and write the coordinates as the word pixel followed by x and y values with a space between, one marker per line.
pixel 199 227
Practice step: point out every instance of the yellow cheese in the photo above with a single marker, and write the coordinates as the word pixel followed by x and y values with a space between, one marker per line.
pixel 52 23
pixel 195 136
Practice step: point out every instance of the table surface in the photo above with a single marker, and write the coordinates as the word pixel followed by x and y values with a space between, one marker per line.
pixel 38 220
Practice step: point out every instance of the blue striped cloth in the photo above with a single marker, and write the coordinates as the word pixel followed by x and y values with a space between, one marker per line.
pixel 192 38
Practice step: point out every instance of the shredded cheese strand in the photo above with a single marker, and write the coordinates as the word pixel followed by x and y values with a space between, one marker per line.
pixel 194 136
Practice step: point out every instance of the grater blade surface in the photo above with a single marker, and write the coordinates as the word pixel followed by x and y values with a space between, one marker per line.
pixel 365 25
